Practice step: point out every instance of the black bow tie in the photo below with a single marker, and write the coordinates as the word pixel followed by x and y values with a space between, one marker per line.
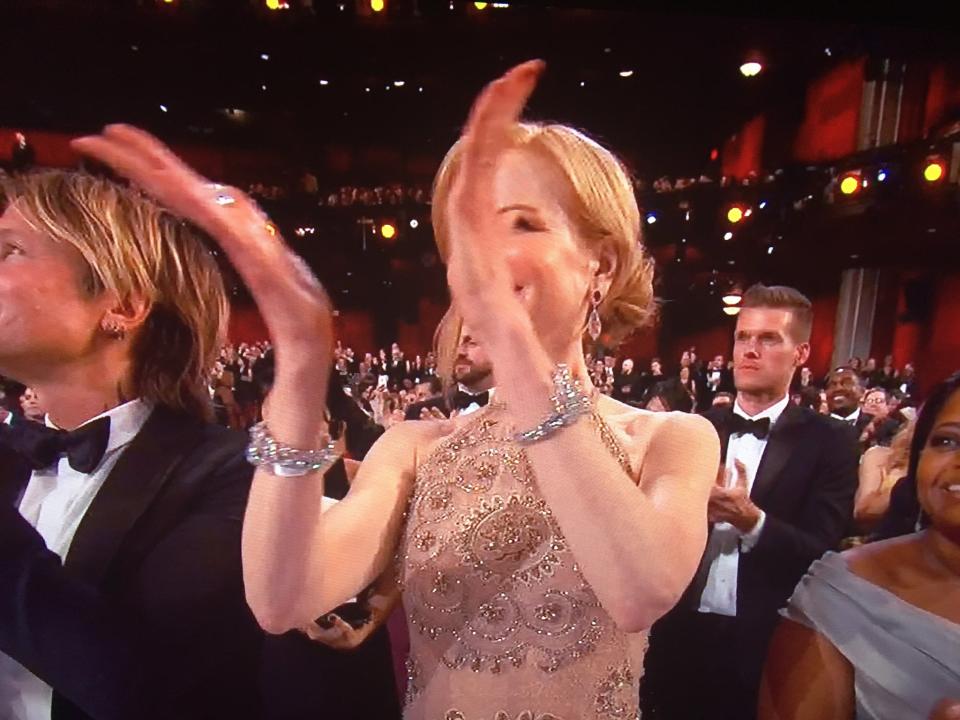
pixel 739 424
pixel 462 400
pixel 42 446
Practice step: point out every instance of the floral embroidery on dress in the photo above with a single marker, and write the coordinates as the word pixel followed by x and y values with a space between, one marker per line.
pixel 491 588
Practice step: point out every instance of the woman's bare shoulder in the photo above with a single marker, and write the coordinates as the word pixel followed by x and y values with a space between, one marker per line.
pixel 664 433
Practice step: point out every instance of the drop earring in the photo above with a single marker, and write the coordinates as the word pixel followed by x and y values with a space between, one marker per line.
pixel 594 325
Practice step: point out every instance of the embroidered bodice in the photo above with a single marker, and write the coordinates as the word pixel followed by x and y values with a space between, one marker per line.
pixel 503 624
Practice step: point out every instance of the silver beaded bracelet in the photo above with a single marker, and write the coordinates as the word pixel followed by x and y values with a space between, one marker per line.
pixel 282 460
pixel 569 401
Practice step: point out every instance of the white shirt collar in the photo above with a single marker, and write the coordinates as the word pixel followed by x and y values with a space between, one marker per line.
pixel 851 418
pixel 773 412
pixel 125 422
pixel 463 388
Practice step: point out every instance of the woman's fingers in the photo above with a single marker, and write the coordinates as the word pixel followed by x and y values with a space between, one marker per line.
pixel 487 134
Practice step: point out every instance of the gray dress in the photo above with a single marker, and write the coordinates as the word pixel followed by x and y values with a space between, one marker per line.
pixel 905 659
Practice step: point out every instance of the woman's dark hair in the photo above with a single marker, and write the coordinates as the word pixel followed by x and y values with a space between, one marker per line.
pixel 672 394
pixel 905 510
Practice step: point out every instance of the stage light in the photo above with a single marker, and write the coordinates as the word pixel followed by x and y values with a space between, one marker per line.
pixel 733 297
pixel 728 235
pixel 770 250
pixel 583 84
pixel 850 183
pixel 734 310
pixel 762 205
pixel 751 69
pixel 324 82
pixel 626 73
pixel 388 230
pixel 714 154
pixel 934 171
pixel 480 5
pixel 398 83
pixel 277 5
pixel 735 214
pixel 651 218
pixel 163 108
pixel 881 176
pixel 414 223
pixel 377 5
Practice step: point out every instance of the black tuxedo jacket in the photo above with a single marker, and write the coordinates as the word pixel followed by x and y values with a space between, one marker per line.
pixel 805 483
pixel 146 617
pixel 862 422
pixel 629 387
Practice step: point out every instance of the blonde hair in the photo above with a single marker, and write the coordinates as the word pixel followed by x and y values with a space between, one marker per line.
pixel 446 340
pixel 899 457
pixel 132 247
pixel 604 211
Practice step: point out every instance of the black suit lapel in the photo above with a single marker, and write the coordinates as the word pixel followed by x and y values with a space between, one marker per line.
pixel 14 476
pixel 781 444
pixel 128 491
pixel 719 418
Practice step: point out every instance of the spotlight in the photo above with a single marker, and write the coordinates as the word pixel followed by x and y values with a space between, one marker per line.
pixel 762 205
pixel 377 5
pixel 480 5
pixel 163 108
pixel 399 83
pixel 732 310
pixel 277 5
pixel 414 223
pixel 935 170
pixel 387 230
pixel 728 235
pixel 735 214
pixel 733 297
pixel 770 250
pixel 881 176
pixel 264 56
pixel 651 218
pixel 751 69
pixel 850 183
pixel 626 73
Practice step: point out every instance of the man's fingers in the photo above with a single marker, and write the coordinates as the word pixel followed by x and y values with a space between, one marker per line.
pixel 741 473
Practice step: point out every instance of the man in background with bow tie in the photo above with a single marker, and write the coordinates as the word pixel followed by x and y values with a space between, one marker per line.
pixel 120 513
pixel 473 374
pixel 784 496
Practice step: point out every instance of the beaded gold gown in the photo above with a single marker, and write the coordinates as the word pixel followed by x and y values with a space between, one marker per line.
pixel 503 624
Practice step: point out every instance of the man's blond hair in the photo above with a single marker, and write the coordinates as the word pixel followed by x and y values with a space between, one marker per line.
pixel 132 247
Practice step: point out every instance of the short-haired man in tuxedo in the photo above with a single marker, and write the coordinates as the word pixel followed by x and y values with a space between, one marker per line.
pixel 627 384
pixel 845 392
pixel 120 539
pixel 784 496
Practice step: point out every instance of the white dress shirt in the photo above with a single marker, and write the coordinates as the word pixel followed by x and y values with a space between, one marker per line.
pixel 727 542
pixel 55 501
pixel 473 407
pixel 851 419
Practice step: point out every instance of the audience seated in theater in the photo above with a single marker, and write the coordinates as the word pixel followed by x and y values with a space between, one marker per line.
pixel 873 633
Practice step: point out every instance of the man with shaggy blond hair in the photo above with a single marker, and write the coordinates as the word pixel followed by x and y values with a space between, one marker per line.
pixel 120 517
